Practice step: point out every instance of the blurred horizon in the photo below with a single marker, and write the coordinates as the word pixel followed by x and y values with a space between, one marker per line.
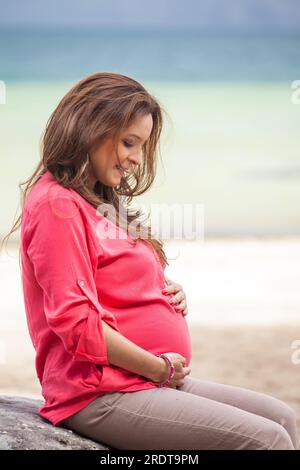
pixel 195 57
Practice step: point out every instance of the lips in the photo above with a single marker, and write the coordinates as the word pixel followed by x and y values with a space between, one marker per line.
pixel 121 169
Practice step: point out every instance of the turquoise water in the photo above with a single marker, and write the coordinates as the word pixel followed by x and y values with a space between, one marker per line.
pixel 231 137
pixel 159 55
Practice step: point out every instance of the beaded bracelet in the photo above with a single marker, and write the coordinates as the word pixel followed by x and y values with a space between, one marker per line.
pixel 168 359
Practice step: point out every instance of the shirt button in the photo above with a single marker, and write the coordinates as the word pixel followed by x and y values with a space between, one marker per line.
pixel 81 282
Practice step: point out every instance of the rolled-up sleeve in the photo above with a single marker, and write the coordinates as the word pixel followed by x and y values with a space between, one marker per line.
pixel 60 251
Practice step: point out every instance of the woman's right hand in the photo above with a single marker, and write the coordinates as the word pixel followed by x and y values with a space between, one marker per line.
pixel 180 370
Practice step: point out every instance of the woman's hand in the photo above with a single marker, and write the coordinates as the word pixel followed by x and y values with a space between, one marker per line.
pixel 178 297
pixel 180 370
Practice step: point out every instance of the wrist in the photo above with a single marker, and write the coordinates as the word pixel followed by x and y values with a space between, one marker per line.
pixel 161 371
pixel 164 371
pixel 171 370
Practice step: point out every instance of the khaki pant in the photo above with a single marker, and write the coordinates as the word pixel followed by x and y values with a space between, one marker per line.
pixel 199 415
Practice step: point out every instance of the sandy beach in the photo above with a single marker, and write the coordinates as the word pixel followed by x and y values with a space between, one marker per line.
pixel 244 315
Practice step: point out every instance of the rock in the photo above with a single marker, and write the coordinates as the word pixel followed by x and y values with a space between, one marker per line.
pixel 21 427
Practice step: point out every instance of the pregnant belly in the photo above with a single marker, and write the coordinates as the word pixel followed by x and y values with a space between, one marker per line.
pixel 157 329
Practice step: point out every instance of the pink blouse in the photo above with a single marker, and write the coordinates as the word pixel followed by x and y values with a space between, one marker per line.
pixel 74 275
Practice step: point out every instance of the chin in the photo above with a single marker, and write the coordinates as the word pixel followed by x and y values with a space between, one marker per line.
pixel 112 184
pixel 116 180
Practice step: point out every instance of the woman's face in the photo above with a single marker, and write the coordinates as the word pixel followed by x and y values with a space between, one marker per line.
pixel 104 165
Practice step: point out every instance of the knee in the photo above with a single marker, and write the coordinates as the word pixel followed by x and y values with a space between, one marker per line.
pixel 288 416
pixel 281 413
pixel 288 420
pixel 278 438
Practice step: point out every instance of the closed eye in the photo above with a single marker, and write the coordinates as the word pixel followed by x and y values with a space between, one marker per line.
pixel 127 144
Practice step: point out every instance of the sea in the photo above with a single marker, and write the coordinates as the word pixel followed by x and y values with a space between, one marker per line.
pixel 231 138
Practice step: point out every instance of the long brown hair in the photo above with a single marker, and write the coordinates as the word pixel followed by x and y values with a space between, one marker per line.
pixel 100 105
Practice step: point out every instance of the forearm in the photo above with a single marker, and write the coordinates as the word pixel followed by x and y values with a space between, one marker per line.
pixel 125 354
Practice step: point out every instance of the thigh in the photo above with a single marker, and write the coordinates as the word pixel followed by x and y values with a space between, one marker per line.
pixel 166 418
pixel 249 400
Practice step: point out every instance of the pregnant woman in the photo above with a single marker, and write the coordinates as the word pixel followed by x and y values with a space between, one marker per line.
pixel 112 351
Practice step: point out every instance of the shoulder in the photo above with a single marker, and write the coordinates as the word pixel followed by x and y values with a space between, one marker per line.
pixel 47 194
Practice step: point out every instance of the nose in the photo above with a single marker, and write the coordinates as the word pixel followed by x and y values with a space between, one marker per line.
pixel 136 159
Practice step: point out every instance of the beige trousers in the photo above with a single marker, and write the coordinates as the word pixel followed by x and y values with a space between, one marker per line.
pixel 199 415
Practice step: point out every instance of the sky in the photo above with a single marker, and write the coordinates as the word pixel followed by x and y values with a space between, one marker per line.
pixel 200 14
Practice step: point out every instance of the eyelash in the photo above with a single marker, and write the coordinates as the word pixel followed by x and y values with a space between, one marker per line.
pixel 127 144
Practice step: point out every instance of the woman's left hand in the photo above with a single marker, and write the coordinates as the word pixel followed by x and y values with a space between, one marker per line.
pixel 178 297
